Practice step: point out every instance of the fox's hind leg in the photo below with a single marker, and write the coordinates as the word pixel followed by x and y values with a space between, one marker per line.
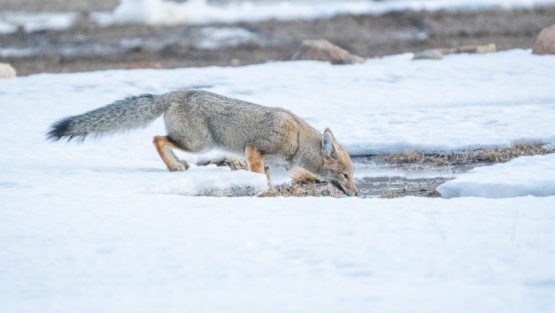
pixel 164 147
pixel 254 159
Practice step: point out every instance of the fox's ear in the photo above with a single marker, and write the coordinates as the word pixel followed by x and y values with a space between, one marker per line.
pixel 328 145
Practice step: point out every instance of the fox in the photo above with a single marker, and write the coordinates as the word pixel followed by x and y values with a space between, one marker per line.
pixel 198 121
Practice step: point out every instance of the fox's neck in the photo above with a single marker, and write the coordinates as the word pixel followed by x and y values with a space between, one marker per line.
pixel 309 154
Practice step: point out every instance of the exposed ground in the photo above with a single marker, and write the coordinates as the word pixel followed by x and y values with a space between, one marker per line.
pixel 171 47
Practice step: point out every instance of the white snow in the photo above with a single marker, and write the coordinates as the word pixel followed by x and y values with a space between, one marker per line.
pixel 112 252
pixel 160 12
pixel 534 175
pixel 219 182
pixel 102 226
pixel 202 12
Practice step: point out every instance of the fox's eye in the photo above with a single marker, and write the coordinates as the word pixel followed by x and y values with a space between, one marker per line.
pixel 346 176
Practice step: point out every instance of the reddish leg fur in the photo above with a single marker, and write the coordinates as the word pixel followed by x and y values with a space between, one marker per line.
pixel 254 159
pixel 163 146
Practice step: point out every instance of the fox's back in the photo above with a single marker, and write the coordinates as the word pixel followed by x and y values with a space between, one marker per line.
pixel 201 120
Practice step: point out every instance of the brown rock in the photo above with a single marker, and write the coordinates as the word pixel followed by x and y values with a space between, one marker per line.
pixel 323 50
pixel 545 43
pixel 7 71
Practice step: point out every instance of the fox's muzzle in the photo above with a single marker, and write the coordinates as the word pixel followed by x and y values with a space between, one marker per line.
pixel 344 189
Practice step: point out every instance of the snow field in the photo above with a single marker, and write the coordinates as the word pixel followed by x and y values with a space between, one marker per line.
pixel 144 253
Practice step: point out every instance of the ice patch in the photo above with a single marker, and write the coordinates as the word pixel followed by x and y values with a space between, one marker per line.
pixel 10 22
pixel 218 37
pixel 524 176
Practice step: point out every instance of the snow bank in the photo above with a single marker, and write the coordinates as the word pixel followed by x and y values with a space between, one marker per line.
pixel 211 181
pixel 534 175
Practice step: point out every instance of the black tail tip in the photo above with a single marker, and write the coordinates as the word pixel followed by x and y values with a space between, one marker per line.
pixel 59 130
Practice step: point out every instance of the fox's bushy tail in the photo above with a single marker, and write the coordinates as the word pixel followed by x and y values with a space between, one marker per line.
pixel 126 114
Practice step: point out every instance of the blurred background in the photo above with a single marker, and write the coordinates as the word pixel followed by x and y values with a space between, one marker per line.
pixel 86 35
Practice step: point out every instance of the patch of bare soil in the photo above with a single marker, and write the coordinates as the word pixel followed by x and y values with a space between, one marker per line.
pixel 87 47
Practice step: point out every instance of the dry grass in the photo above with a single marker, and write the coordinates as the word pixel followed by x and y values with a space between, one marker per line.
pixel 304 184
pixel 498 155
pixel 293 189
pixel 302 190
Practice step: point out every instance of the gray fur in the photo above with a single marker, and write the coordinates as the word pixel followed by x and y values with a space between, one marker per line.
pixel 198 120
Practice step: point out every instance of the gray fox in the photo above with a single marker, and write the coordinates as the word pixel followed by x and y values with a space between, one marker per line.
pixel 199 120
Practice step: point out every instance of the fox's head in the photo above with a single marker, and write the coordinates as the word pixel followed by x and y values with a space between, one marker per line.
pixel 337 168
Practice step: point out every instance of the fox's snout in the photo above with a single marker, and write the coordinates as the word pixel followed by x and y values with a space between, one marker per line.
pixel 351 189
pixel 347 188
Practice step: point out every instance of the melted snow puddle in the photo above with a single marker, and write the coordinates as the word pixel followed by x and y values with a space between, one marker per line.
pixel 378 179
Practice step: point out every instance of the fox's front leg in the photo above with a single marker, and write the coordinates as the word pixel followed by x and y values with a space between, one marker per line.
pixel 163 146
pixel 269 179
